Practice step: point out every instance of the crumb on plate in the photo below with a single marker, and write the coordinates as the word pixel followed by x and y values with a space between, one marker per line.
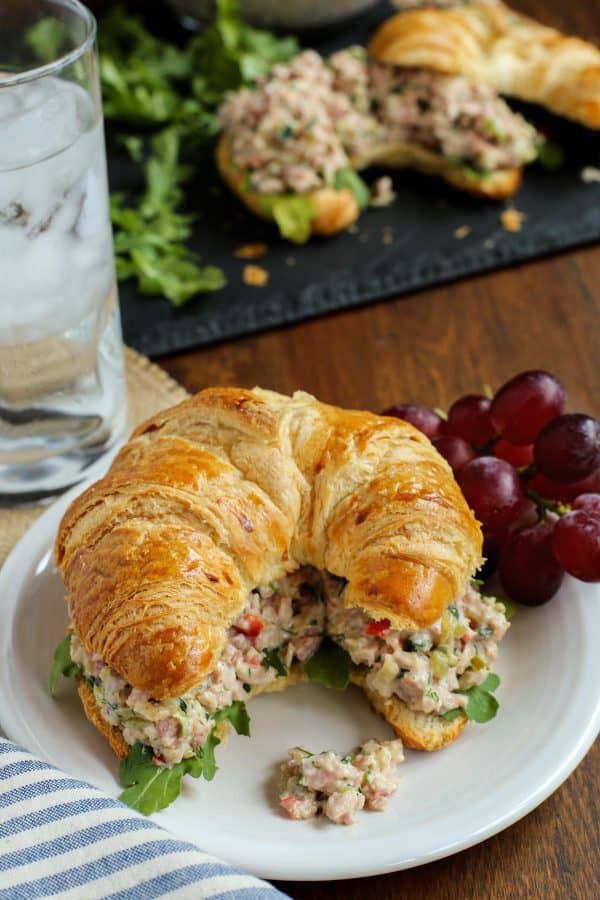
pixel 251 251
pixel 590 174
pixel 461 232
pixel 255 276
pixel 512 219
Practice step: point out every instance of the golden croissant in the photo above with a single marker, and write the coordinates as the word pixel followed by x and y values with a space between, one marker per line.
pixel 237 529
pixel 496 46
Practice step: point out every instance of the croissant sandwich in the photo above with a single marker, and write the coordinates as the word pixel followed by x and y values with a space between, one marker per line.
pixel 496 46
pixel 244 540
pixel 292 146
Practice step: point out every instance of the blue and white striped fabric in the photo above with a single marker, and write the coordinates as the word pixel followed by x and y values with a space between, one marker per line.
pixel 63 838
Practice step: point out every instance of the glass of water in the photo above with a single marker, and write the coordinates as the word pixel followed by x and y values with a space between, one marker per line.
pixel 62 397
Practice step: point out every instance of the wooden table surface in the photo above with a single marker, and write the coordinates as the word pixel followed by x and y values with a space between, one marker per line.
pixel 430 348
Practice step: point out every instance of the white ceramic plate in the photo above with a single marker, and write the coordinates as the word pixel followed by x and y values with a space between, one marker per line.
pixel 492 776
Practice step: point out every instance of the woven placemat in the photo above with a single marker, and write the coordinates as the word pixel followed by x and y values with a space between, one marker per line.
pixel 149 389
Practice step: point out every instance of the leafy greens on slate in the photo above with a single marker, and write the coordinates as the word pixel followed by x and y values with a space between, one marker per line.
pixel 147 82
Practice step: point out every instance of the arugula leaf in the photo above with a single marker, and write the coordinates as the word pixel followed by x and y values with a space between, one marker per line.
pixel 149 239
pixel 237 715
pixel 348 178
pixel 551 156
pixel 62 664
pixel 331 665
pixel 151 787
pixel 206 754
pixel 293 213
pixel 149 82
pixel 272 660
pixel 47 38
pixel 230 53
pixel 481 704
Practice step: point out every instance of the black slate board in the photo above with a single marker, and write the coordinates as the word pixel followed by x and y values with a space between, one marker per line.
pixel 401 248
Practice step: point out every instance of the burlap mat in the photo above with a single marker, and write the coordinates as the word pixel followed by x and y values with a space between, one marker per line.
pixel 149 389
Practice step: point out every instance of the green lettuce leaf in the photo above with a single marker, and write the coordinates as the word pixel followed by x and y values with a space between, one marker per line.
pixel 293 213
pixel 481 704
pixel 331 666
pixel 62 664
pixel 348 178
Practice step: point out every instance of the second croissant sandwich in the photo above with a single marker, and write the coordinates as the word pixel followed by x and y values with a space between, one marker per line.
pixel 243 535
pixel 292 146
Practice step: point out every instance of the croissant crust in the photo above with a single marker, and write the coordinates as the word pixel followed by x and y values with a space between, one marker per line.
pixel 234 488
pixel 495 45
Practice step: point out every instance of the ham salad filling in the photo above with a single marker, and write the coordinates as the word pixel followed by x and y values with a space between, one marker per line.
pixel 284 623
pixel 339 786
pixel 310 118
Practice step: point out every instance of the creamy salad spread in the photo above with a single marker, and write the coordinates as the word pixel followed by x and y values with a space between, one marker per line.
pixel 339 786
pixel 300 125
pixel 311 118
pixel 451 116
pixel 285 622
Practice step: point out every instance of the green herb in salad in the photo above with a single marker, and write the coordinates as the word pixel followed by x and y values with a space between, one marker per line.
pixel 272 660
pixel 331 666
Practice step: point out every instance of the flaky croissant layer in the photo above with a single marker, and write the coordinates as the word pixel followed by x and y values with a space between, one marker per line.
pixel 234 488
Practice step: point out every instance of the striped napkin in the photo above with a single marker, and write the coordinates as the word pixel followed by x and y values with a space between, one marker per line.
pixel 63 838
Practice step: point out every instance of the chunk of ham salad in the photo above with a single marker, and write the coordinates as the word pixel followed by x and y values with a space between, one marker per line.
pixel 340 786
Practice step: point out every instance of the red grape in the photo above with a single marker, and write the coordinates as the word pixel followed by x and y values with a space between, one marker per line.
pixel 566 493
pixel 568 448
pixel 589 502
pixel 492 489
pixel 526 403
pixel 525 515
pixel 529 571
pixel 456 451
pixel 469 418
pixel 423 418
pixel 517 455
pixel 576 544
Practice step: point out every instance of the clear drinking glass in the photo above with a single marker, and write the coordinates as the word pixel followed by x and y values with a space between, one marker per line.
pixel 62 397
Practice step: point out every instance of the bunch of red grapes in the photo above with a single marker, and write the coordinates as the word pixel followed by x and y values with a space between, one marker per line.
pixel 531 474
